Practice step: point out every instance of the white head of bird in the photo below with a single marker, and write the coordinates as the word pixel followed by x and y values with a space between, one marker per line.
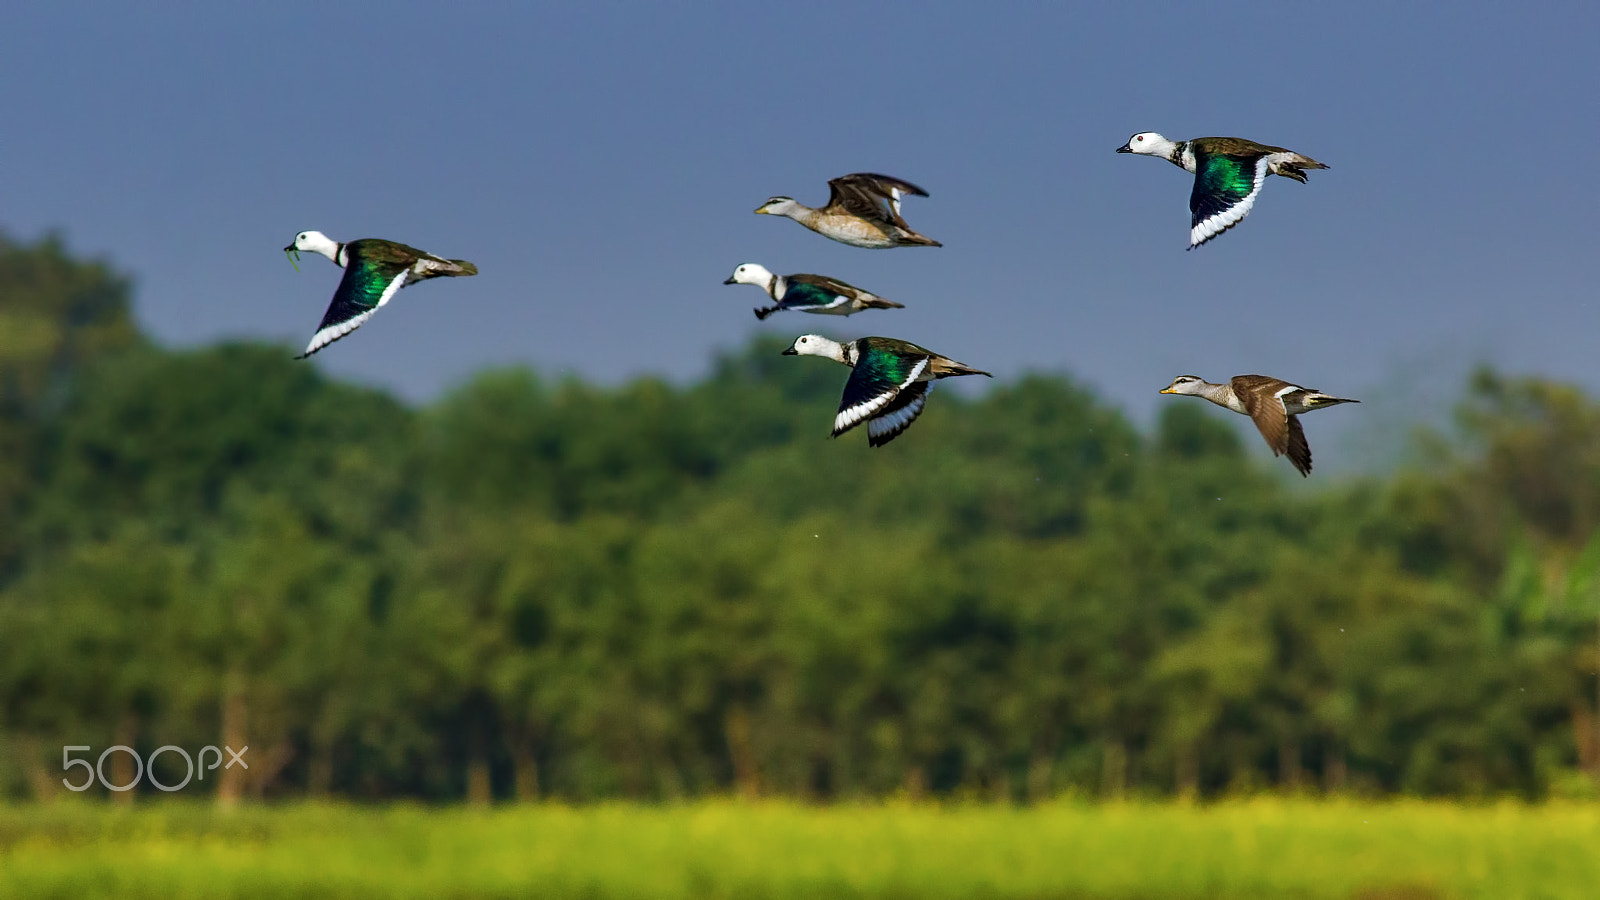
pixel 816 345
pixel 780 206
pixel 313 242
pixel 1149 143
pixel 750 273
pixel 1193 385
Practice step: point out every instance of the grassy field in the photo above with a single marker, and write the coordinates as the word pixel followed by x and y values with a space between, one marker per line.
pixel 1250 849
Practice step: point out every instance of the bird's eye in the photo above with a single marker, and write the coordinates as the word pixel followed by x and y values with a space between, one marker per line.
pixel 1140 138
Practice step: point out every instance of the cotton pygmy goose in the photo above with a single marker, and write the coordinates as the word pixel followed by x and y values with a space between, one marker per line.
pixel 373 271
pixel 863 211
pixel 808 293
pixel 889 381
pixel 1274 405
pixel 1228 174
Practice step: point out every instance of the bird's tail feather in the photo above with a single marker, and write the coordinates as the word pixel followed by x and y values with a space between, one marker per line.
pixel 951 367
pixel 1318 401
pixel 1293 168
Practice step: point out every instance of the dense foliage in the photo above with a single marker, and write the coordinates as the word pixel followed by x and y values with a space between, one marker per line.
pixel 536 589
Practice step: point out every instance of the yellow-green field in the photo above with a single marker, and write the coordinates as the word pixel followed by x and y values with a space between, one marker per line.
pixel 1249 849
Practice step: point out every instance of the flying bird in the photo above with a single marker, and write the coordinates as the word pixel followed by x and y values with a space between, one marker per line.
pixel 889 381
pixel 808 293
pixel 1228 174
pixel 1274 404
pixel 863 211
pixel 373 271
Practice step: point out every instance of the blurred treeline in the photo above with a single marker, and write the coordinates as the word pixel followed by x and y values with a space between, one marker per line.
pixel 551 589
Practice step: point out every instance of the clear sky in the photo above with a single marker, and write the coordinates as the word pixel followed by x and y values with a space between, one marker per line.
pixel 600 163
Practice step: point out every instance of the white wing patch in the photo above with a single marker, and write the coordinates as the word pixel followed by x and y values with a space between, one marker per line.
pixel 916 372
pixel 333 332
pixel 1296 399
pixel 852 416
pixel 887 426
pixel 831 307
pixel 400 281
pixel 1233 215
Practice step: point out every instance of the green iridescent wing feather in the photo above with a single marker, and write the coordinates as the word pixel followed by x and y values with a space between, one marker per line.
pixel 362 288
pixel 801 295
pixel 1221 183
pixel 874 381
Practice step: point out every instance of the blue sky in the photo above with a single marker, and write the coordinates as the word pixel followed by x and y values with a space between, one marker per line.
pixel 600 163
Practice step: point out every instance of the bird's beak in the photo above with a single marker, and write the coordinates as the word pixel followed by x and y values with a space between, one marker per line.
pixel 1125 149
pixel 294 256
pixel 1167 390
pixel 761 210
pixel 730 280
pixel 790 352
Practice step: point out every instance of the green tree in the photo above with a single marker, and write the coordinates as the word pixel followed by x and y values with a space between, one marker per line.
pixel 57 314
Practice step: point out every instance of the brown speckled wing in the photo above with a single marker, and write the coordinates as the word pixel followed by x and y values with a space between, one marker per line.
pixel 1256 393
pixel 870 196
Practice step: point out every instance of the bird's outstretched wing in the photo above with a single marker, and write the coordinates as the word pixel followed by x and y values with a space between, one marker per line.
pixel 367 285
pixel 874 383
pixel 1225 188
pixel 1260 395
pixel 872 197
pixel 899 414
